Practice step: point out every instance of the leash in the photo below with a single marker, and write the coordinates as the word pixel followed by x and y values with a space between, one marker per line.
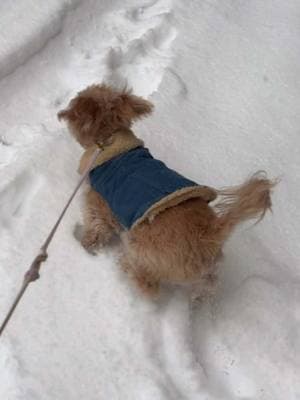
pixel 34 271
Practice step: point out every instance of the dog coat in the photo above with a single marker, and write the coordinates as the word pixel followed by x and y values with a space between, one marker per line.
pixel 134 183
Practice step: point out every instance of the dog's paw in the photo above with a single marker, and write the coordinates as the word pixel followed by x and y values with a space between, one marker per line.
pixel 78 232
pixel 90 244
pixel 150 288
pixel 205 290
pixel 88 240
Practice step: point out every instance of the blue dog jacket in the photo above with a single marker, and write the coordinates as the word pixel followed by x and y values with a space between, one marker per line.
pixel 133 182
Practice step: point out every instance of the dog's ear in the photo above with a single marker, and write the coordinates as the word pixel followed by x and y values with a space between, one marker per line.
pixel 138 106
pixel 63 114
pixel 85 118
pixel 79 108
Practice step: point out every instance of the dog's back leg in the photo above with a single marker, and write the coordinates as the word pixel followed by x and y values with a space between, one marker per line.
pixel 142 278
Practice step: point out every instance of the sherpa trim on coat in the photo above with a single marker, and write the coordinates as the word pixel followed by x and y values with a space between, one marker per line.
pixel 122 143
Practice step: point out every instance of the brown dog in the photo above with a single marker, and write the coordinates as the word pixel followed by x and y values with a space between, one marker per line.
pixel 178 240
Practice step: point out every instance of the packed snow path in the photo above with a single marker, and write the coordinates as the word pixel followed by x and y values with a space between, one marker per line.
pixel 224 77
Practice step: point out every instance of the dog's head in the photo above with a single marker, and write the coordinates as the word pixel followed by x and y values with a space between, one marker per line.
pixel 98 111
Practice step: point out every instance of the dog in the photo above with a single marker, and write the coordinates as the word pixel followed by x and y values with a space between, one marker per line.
pixel 170 232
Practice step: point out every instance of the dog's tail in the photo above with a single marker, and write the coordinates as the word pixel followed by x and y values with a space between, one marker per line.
pixel 250 200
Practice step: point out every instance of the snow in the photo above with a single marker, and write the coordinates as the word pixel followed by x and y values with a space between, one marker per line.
pixel 224 77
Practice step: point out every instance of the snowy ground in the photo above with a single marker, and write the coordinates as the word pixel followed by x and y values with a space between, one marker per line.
pixel 224 76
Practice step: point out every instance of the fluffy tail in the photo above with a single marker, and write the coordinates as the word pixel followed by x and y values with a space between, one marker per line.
pixel 250 200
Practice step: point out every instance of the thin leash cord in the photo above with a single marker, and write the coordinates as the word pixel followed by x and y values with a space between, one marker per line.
pixel 34 271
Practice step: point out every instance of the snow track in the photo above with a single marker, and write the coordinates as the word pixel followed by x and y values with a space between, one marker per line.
pixel 223 77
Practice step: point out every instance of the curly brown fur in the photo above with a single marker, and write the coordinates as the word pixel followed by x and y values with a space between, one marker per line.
pixel 98 111
pixel 251 200
pixel 182 243
pixel 99 223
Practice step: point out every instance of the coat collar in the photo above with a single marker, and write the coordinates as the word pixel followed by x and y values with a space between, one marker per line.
pixel 121 142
